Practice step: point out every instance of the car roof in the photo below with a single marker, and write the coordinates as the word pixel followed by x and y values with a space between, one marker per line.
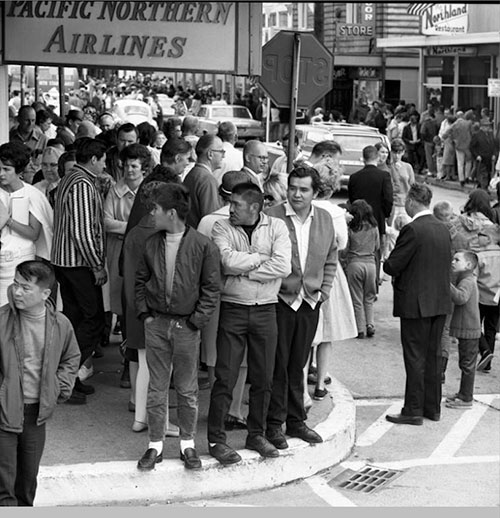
pixel 344 127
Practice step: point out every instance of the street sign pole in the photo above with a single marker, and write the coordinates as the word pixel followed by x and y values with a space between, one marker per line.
pixel 268 117
pixel 294 93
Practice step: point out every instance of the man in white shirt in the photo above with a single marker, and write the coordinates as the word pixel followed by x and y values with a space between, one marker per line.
pixel 256 161
pixel 233 159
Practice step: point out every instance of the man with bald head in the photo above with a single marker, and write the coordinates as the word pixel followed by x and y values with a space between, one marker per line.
pixel 27 132
pixel 233 159
pixel 200 181
pixel 256 161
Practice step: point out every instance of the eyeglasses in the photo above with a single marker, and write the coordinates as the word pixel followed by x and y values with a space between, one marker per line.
pixel 221 151
pixel 263 158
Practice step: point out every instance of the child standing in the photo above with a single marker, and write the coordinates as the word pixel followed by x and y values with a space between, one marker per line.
pixel 465 324
pixel 362 245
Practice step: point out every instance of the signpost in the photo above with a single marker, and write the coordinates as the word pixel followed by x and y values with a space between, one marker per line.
pixel 297 71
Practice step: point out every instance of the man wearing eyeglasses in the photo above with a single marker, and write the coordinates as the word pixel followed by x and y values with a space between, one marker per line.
pixel 201 182
pixel 256 161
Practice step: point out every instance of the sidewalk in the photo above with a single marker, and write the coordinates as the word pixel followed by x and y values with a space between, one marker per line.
pixel 91 453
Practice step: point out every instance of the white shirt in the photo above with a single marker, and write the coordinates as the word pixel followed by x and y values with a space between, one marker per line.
pixel 233 161
pixel 302 231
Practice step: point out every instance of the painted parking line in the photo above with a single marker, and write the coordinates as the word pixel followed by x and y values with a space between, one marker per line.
pixel 327 493
pixel 379 428
pixel 461 429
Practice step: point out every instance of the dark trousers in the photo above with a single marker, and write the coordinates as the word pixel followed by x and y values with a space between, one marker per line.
pixel 421 339
pixel 489 319
pixel 20 455
pixel 242 326
pixel 83 305
pixel 296 330
pixel 467 359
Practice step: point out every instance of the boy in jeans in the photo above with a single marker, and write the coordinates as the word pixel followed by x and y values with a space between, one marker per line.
pixel 465 324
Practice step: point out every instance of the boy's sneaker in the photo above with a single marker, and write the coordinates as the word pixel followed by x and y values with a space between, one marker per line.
pixel 458 403
pixel 484 363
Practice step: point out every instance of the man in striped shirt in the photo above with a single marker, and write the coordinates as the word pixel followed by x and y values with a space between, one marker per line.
pixel 78 251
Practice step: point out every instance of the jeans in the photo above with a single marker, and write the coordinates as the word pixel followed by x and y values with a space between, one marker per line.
pixel 467 358
pixel 243 326
pixel 363 288
pixel 20 455
pixel 171 343
pixel 83 305
pixel 296 330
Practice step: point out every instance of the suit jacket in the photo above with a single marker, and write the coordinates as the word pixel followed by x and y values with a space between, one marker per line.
pixel 322 257
pixel 407 135
pixel 375 187
pixel 203 192
pixel 420 264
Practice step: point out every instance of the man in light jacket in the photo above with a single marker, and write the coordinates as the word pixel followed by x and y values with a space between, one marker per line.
pixel 39 359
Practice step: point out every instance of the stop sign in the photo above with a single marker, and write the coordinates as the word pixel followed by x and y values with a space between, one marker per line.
pixel 315 69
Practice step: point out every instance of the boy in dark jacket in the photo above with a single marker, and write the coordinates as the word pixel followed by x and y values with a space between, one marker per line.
pixel 39 360
pixel 465 324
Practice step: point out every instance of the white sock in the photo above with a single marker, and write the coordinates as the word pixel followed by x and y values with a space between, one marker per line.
pixel 187 444
pixel 158 446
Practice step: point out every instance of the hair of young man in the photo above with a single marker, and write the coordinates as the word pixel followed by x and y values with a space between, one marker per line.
pixel 137 152
pixel 370 153
pixel 145 133
pixel 42 116
pixel 326 146
pixel 250 192
pixel 304 171
pixel 173 196
pixel 174 146
pixel 204 144
pixel 41 271
pixel 86 148
pixel 362 213
pixel 470 257
pixel 441 209
pixel 16 155
pixel 128 127
pixel 226 131
pixel 421 194
pixel 67 156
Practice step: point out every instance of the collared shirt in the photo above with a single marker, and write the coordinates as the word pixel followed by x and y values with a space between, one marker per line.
pixel 36 140
pixel 257 178
pixel 302 232
pixel 425 212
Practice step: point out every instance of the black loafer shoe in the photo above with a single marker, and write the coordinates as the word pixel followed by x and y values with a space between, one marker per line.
pixel 224 454
pixel 149 459
pixel 77 398
pixel 234 423
pixel 277 439
pixel 83 388
pixel 262 445
pixel 305 433
pixel 405 419
pixel 191 459
pixel 432 417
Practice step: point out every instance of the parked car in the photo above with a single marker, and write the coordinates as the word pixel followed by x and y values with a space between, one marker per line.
pixel 351 137
pixel 167 105
pixel 131 110
pixel 248 128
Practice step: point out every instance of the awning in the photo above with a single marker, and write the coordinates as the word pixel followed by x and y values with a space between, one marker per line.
pixel 479 38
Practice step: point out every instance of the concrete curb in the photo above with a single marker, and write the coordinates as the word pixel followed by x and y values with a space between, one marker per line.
pixel 120 483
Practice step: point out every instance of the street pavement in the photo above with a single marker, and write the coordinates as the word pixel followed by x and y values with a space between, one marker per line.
pixel 454 462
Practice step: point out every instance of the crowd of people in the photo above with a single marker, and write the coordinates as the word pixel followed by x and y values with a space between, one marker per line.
pixel 206 255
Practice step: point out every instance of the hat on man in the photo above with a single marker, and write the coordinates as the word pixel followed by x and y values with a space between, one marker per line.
pixel 230 180
pixel 74 115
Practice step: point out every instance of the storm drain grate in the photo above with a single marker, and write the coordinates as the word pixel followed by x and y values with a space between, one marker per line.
pixel 369 479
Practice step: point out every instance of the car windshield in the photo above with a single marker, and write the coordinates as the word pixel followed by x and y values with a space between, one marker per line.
pixel 356 142
pixel 313 137
pixel 227 111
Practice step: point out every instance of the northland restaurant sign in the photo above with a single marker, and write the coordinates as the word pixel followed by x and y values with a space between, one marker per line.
pixel 131 35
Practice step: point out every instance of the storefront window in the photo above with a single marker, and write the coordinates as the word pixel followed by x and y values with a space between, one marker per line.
pixel 473 70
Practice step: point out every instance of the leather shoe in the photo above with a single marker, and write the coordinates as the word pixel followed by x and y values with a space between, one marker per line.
pixel 277 439
pixel 84 389
pixel 131 406
pixel 77 398
pixel 224 454
pixel 405 419
pixel 262 445
pixel 234 423
pixel 190 459
pixel 137 426
pixel 149 459
pixel 305 433
pixel 432 417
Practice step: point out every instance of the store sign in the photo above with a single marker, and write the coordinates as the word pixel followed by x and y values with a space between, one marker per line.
pixel 445 19
pixel 450 51
pixel 366 73
pixel 363 22
pixel 493 87
pixel 200 36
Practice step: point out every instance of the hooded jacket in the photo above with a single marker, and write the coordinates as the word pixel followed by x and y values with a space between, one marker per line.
pixel 61 359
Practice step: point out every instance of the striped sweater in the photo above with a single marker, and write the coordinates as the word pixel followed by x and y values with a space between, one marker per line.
pixel 78 222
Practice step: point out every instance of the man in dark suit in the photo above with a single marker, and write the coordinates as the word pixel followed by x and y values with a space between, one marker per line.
pixel 375 187
pixel 412 137
pixel 420 264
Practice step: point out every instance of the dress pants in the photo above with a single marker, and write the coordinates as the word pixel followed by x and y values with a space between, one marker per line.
pixel 83 305
pixel 296 330
pixel 467 359
pixel 20 455
pixel 421 339
pixel 240 327
pixel 489 319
